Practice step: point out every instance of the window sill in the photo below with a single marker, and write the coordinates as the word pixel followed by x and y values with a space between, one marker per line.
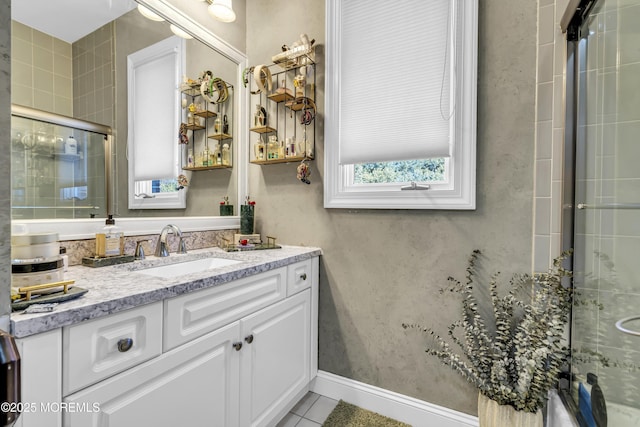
pixel 77 229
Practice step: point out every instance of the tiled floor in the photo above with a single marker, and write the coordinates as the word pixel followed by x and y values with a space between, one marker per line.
pixel 311 411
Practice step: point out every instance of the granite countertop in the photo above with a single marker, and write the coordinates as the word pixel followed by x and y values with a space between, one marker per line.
pixel 121 287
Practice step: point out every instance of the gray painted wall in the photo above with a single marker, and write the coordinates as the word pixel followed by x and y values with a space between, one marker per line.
pixel 384 267
pixel 5 162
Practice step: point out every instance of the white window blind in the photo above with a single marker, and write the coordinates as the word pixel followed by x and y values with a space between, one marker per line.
pixel 394 97
pixel 154 102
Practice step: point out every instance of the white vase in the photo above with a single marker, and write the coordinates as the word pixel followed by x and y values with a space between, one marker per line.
pixel 491 414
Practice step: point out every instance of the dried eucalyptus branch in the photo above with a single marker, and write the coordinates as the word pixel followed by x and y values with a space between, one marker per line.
pixel 517 359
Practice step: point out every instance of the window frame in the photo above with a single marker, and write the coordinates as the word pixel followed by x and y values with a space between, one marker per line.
pixel 458 191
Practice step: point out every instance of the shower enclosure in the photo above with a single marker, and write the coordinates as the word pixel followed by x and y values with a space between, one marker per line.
pixel 58 166
pixel 602 199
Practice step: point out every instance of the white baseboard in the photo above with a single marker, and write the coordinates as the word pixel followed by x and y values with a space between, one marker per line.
pixel 403 408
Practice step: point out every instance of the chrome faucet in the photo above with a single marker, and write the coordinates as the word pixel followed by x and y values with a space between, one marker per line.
pixel 161 247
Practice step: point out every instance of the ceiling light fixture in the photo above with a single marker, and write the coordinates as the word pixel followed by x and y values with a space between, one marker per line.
pixel 147 13
pixel 180 32
pixel 222 10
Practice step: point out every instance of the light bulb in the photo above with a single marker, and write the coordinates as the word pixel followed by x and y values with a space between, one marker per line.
pixel 147 13
pixel 180 32
pixel 222 10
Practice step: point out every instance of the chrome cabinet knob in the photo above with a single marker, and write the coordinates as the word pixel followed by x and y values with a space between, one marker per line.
pixel 249 339
pixel 237 345
pixel 303 276
pixel 125 344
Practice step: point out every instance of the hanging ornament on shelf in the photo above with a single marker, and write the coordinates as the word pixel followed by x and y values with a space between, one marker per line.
pixel 182 182
pixel 304 172
pixel 184 139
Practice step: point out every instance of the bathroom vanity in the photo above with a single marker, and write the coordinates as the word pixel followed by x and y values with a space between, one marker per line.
pixel 221 344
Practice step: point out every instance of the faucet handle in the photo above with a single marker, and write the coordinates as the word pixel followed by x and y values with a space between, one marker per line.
pixel 182 246
pixel 139 253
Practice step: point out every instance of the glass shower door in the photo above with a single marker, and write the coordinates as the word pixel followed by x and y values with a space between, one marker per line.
pixel 606 314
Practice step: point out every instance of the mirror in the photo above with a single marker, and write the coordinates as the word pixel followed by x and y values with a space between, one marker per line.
pixel 92 72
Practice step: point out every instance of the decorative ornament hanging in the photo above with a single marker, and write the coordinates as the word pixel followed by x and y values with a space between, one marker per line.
pixel 184 139
pixel 182 181
pixel 304 172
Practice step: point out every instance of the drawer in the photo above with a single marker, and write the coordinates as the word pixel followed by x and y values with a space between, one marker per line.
pixel 96 349
pixel 299 277
pixel 195 314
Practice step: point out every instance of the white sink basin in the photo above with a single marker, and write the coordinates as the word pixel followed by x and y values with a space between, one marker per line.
pixel 187 267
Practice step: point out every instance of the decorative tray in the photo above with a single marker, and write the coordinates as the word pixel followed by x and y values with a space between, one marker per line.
pixel 61 296
pixel 250 247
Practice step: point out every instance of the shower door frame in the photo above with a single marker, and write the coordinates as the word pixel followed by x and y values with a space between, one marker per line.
pixel 571 24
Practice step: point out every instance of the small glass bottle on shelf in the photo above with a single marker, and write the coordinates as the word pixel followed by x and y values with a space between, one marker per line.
pixel 259 149
pixel 216 156
pixel 272 148
pixel 206 156
pixel 290 148
pixel 226 155
pixel 190 158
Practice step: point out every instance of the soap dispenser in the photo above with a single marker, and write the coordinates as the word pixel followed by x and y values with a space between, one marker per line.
pixel 110 242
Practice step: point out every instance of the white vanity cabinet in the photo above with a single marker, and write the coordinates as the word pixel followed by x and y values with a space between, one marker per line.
pixel 238 354
pixel 193 385
pixel 274 359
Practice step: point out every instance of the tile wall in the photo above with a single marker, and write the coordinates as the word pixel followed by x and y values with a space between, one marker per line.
pixel 549 133
pixel 41 70
pixel 94 76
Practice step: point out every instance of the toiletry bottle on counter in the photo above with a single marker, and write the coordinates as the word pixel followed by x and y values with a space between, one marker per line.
pixel 110 242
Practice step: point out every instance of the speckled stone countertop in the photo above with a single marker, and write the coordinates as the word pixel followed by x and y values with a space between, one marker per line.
pixel 120 287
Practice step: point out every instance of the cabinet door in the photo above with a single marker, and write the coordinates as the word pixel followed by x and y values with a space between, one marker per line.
pixel 194 385
pixel 41 372
pixel 274 360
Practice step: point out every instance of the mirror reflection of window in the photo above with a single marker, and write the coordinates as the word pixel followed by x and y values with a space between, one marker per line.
pixel 153 78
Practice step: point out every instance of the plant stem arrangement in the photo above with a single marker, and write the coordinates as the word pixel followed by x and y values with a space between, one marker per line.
pixel 512 356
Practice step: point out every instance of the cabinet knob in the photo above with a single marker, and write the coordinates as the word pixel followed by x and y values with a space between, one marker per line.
pixel 237 345
pixel 303 276
pixel 249 339
pixel 125 344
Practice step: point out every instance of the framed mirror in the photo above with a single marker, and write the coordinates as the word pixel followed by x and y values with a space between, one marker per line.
pixel 99 94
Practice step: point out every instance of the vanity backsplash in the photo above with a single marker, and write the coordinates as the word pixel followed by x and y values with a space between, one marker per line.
pixel 77 249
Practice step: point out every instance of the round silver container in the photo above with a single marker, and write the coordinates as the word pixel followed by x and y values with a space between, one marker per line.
pixel 39 271
pixel 31 246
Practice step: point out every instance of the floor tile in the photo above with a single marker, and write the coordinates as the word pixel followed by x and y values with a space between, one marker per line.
pixel 305 403
pixel 290 420
pixel 306 423
pixel 321 409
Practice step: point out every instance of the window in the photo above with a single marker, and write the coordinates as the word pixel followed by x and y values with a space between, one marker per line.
pixel 400 104
pixel 154 75
pixel 423 170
